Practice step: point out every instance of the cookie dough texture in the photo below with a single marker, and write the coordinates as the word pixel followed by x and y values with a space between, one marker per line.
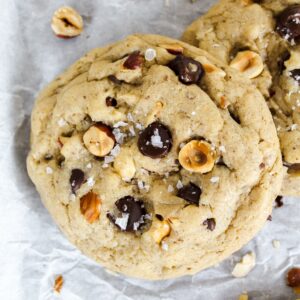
pixel 237 25
pixel 237 194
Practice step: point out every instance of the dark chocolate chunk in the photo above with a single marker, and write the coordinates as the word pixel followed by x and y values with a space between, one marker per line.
pixel 190 193
pixel 295 74
pixel 155 141
pixel 114 79
pixel 110 101
pixel 288 24
pixel 132 210
pixel 188 70
pixel 76 179
pixel 134 61
pixel 279 202
pixel 210 223
pixel 293 278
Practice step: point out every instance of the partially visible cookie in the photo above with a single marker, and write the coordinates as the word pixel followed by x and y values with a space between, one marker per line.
pixel 155 159
pixel 261 39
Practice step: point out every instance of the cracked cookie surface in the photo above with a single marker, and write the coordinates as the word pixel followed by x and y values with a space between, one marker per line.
pixel 233 30
pixel 153 158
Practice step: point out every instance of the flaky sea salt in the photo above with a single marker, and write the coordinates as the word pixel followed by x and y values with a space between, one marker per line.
pixel 215 179
pixel 108 159
pixel 222 149
pixel 105 166
pixel 164 246
pixel 179 185
pixel 293 127
pixel 131 130
pixel 49 170
pixel 90 181
pixel 170 188
pixel 122 222
pixel 61 122
pixel 120 124
pixel 89 166
pixel 130 117
pixel 150 54
pixel 72 197
pixel 119 136
pixel 139 126
pixel 193 113
pixel 156 140
pixel 115 151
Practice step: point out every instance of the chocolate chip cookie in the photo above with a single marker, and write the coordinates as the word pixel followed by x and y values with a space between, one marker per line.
pixel 153 158
pixel 261 40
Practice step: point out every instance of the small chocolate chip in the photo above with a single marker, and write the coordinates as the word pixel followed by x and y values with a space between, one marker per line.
pixel 188 70
pixel 293 278
pixel 284 57
pixel 262 166
pixel 155 141
pixel 159 217
pixel 279 202
pixel 210 223
pixel 76 179
pixel 269 218
pixel 132 208
pixel 114 79
pixel 190 193
pixel 295 74
pixel 288 24
pixel 134 61
pixel 110 101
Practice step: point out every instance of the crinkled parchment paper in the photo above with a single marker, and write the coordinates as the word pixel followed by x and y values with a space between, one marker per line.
pixel 32 249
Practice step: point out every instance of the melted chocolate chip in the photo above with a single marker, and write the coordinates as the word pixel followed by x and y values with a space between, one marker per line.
pixel 187 69
pixel 210 223
pixel 295 74
pixel 114 79
pixel 110 101
pixel 279 202
pixel 134 61
pixel 284 57
pixel 133 214
pixel 76 179
pixel 288 24
pixel 293 278
pixel 155 141
pixel 190 193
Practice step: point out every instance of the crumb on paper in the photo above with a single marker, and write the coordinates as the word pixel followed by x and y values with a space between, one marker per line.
pixel 276 244
pixel 243 296
pixel 58 284
pixel 243 267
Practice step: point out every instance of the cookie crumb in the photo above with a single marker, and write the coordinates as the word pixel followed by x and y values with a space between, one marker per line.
pixel 91 181
pixel 276 244
pixel 164 246
pixel 243 267
pixel 170 188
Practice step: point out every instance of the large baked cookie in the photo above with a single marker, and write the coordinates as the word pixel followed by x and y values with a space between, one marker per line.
pixel 153 158
pixel 261 39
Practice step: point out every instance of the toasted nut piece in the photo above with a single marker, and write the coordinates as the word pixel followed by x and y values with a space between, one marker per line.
pixel 242 268
pixel 59 281
pixel 243 297
pixel 293 278
pixel 99 140
pixel 154 114
pixel 160 230
pixel 124 165
pixel 172 48
pixel 66 22
pixel 248 63
pixel 209 68
pixel 197 156
pixel 90 206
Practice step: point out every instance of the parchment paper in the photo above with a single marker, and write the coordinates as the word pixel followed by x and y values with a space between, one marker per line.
pixel 32 249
